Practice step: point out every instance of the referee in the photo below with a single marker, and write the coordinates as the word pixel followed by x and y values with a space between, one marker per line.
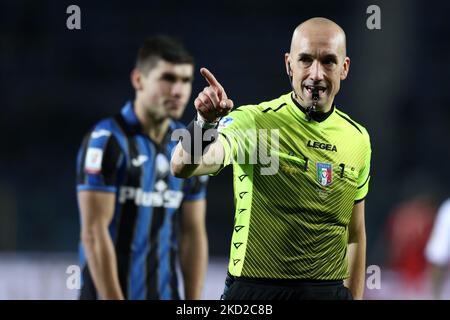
pixel 299 228
pixel 129 201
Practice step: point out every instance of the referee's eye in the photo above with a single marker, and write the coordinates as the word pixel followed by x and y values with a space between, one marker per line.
pixel 329 60
pixel 306 61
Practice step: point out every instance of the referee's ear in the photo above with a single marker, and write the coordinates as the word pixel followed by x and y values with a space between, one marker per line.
pixel 287 64
pixel 136 79
pixel 345 68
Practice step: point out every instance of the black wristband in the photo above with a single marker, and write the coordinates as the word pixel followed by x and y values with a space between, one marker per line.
pixel 197 140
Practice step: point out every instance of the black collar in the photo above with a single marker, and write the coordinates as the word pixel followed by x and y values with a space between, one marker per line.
pixel 316 115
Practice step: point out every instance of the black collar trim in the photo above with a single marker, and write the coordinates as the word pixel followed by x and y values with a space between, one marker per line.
pixel 317 115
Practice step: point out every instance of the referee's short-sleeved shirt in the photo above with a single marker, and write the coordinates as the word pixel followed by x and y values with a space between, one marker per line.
pixel 116 156
pixel 295 184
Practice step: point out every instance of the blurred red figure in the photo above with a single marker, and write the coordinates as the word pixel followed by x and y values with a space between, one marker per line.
pixel 408 229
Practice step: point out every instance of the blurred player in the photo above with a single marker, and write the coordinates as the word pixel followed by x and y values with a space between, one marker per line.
pixel 128 198
pixel 299 230
pixel 437 251
pixel 407 232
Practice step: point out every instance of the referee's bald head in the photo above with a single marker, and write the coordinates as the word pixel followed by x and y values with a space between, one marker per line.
pixel 317 60
pixel 320 30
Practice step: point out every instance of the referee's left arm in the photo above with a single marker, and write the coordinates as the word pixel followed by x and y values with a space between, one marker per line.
pixel 357 252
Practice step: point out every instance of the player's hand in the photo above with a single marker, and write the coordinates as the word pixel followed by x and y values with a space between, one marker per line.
pixel 212 103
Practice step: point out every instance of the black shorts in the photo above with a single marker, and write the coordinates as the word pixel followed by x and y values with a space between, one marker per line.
pixel 237 288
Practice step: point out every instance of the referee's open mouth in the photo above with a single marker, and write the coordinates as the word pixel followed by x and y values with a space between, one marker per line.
pixel 309 90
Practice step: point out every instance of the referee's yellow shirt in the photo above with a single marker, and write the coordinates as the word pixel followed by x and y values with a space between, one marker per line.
pixel 295 183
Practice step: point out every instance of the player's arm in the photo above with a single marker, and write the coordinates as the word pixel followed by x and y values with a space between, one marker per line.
pixel 193 247
pixel 211 104
pixel 357 252
pixel 97 210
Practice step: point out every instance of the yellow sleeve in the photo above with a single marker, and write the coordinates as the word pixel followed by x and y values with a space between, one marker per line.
pixel 232 132
pixel 364 173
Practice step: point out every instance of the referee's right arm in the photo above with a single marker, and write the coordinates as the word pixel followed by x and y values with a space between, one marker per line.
pixel 211 104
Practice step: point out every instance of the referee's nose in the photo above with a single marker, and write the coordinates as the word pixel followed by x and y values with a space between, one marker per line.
pixel 316 71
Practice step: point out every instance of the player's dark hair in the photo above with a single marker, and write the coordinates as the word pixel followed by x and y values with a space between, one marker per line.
pixel 161 47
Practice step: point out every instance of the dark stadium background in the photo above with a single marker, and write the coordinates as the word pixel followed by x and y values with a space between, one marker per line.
pixel 56 83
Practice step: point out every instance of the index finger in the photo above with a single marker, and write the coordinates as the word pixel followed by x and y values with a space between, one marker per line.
pixel 210 78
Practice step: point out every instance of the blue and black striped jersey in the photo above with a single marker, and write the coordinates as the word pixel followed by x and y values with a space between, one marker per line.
pixel 116 156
